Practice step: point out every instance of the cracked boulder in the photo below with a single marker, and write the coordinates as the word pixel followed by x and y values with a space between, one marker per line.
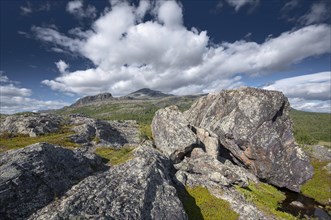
pixel 32 124
pixel 33 176
pixel 141 188
pixel 172 134
pixel 255 126
pixel 208 171
pixel 105 133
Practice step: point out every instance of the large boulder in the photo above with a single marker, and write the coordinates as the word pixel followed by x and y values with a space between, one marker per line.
pixel 172 134
pixel 32 124
pixel 105 133
pixel 255 126
pixel 33 176
pixel 141 188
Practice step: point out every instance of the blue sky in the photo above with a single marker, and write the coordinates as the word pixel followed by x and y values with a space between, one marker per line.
pixel 53 52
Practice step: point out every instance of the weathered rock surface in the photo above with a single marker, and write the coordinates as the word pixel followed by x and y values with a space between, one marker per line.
pixel 92 99
pixel 106 133
pixel 171 133
pixel 139 189
pixel 31 124
pixel 208 171
pixel 33 176
pixel 208 141
pixel 255 126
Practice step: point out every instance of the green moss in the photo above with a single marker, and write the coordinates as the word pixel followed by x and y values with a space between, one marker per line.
pixel 96 139
pixel 10 141
pixel 145 132
pixel 319 186
pixel 114 156
pixel 200 204
pixel 266 198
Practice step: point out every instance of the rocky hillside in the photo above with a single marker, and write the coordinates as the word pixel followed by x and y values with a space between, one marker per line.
pixel 103 97
pixel 146 93
pixel 226 142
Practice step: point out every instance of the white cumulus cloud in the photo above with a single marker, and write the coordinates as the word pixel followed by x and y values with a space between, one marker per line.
pixel 310 92
pixel 130 52
pixel 62 66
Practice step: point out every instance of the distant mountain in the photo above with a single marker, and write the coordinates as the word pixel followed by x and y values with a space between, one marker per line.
pixel 146 93
pixel 91 99
pixel 141 94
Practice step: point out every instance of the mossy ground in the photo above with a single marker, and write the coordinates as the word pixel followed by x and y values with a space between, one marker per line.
pixel 319 187
pixel 10 141
pixel 266 198
pixel 114 156
pixel 200 204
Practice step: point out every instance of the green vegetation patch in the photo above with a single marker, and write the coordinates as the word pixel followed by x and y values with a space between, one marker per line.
pixel 310 127
pixel 267 198
pixel 114 156
pixel 61 137
pixel 319 187
pixel 145 132
pixel 200 204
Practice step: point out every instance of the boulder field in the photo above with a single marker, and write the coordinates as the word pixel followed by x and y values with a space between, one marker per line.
pixel 224 140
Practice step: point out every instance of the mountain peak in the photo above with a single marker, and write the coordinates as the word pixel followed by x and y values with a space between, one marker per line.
pixel 147 93
pixel 94 98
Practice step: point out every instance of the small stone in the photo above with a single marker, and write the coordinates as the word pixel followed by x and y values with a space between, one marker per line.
pixel 297 204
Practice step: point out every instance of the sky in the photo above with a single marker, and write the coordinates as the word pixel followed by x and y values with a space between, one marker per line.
pixel 54 52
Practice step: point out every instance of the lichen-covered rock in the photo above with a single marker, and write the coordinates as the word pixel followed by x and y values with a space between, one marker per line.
pixel 141 188
pixel 255 126
pixel 171 133
pixel 105 133
pixel 31 124
pixel 33 176
pixel 208 171
pixel 209 142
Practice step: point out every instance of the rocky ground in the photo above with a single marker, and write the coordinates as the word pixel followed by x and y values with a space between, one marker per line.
pixel 225 140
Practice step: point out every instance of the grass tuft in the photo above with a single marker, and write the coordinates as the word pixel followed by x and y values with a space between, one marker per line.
pixel 266 198
pixel 114 156
pixel 145 132
pixel 200 204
